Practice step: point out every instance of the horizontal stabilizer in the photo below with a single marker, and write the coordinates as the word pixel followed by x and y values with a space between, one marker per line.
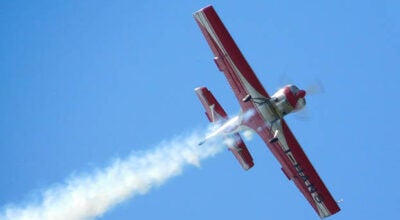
pixel 215 113
pixel 242 154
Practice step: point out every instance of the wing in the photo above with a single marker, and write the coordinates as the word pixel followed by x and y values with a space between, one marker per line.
pixel 297 167
pixel 228 57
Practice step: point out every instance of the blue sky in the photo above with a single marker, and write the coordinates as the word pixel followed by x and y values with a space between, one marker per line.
pixel 82 83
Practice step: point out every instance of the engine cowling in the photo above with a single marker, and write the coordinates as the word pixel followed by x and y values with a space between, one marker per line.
pixel 289 99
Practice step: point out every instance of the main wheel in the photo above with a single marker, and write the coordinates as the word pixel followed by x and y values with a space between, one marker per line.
pixel 273 140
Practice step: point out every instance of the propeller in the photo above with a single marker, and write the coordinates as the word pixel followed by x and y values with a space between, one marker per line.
pixel 314 88
pixel 303 114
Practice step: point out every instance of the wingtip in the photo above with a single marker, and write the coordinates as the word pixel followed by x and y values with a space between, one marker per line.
pixel 203 9
pixel 199 88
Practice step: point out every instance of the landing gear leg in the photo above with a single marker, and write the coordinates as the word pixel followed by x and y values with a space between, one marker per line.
pixel 258 101
pixel 262 101
pixel 275 138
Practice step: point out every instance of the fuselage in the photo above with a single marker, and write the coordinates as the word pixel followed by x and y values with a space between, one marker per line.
pixel 288 99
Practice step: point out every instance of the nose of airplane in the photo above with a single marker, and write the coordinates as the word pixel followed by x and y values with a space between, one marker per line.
pixel 300 94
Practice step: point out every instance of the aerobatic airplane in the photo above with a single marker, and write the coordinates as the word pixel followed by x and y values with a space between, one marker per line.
pixel 261 113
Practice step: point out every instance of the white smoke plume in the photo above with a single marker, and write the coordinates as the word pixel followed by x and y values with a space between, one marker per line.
pixel 89 196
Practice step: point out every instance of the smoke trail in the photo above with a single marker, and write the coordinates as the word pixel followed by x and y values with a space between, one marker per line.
pixel 90 196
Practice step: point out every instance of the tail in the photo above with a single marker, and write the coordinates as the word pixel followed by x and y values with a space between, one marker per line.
pixel 215 113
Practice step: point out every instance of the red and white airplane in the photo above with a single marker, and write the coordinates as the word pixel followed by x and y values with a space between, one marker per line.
pixel 261 113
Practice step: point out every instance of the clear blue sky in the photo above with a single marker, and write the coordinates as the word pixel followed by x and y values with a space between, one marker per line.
pixel 82 82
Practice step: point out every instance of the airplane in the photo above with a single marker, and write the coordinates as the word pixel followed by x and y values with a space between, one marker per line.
pixel 261 113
